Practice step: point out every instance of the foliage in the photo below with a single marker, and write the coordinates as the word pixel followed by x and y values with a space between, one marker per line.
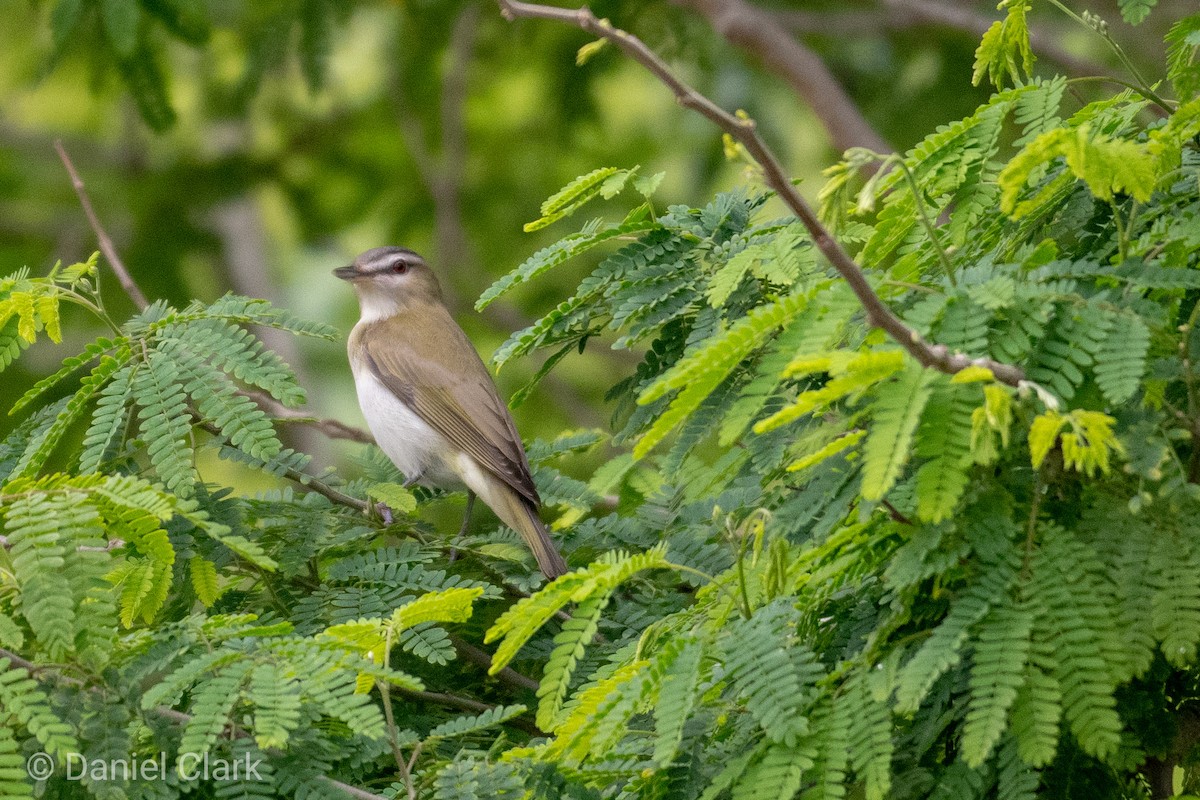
pixel 810 567
pixel 125 33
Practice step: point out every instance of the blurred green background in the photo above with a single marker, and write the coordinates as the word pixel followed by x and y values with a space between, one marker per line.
pixel 254 145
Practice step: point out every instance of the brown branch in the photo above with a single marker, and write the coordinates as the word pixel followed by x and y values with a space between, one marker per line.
pixel 17 661
pixel 480 658
pixel 303 478
pixel 329 427
pixel 759 32
pixel 879 315
pixel 469 704
pixel 106 244
pixel 113 544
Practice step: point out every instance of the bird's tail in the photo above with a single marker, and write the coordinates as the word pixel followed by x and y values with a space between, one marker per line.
pixel 522 516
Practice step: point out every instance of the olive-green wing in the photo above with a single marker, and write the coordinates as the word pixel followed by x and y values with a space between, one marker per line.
pixel 454 395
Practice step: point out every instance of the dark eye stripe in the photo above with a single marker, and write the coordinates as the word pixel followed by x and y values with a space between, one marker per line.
pixel 389 267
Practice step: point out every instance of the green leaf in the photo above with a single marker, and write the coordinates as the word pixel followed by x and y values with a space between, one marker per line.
pixel 1004 49
pixel 558 253
pixel 680 665
pixel 1106 165
pixel 573 196
pixel 277 702
pixel 448 605
pixel 701 372
pixel 394 496
pixel 165 422
pixel 519 623
pixel 204 580
pixel 1183 65
pixel 588 51
pixel 898 410
pixel 63 20
pixel 943 649
pixel 121 18
pixel 1135 11
pixel 646 185
pixel 462 726
pixel 944 438
pixel 997 674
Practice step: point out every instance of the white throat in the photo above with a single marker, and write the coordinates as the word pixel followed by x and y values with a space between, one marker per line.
pixel 376 305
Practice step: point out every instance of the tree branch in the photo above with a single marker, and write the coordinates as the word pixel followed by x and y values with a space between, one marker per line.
pixel 469 704
pixel 759 32
pixel 329 427
pixel 480 658
pixel 106 244
pixel 879 315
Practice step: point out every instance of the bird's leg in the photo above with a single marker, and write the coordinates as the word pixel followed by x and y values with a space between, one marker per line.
pixel 466 523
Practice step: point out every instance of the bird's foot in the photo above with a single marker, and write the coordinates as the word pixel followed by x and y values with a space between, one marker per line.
pixel 385 513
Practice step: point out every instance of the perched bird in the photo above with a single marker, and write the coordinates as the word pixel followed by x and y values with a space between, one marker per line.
pixel 429 400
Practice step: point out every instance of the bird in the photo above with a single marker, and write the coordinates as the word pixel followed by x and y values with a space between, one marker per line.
pixel 430 402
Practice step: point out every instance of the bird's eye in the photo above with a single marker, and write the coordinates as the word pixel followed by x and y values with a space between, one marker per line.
pixel 400 267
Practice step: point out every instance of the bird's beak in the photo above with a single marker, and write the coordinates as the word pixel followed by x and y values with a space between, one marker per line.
pixel 347 273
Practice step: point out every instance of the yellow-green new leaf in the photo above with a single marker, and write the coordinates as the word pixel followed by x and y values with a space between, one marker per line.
pixel 973 374
pixel 394 496
pixel 830 450
pixel 1004 49
pixel 1087 447
pixel 1107 166
pixel 448 605
pixel 700 373
pixel 1043 433
pixel 366 636
pixel 854 376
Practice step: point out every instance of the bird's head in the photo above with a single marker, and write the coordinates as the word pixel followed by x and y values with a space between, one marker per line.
pixel 387 278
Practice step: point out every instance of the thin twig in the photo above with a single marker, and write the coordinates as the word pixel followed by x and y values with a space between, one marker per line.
pixel 895 513
pixel 113 544
pixel 330 427
pixel 106 244
pixel 744 130
pixel 16 661
pixel 480 658
pixel 469 704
